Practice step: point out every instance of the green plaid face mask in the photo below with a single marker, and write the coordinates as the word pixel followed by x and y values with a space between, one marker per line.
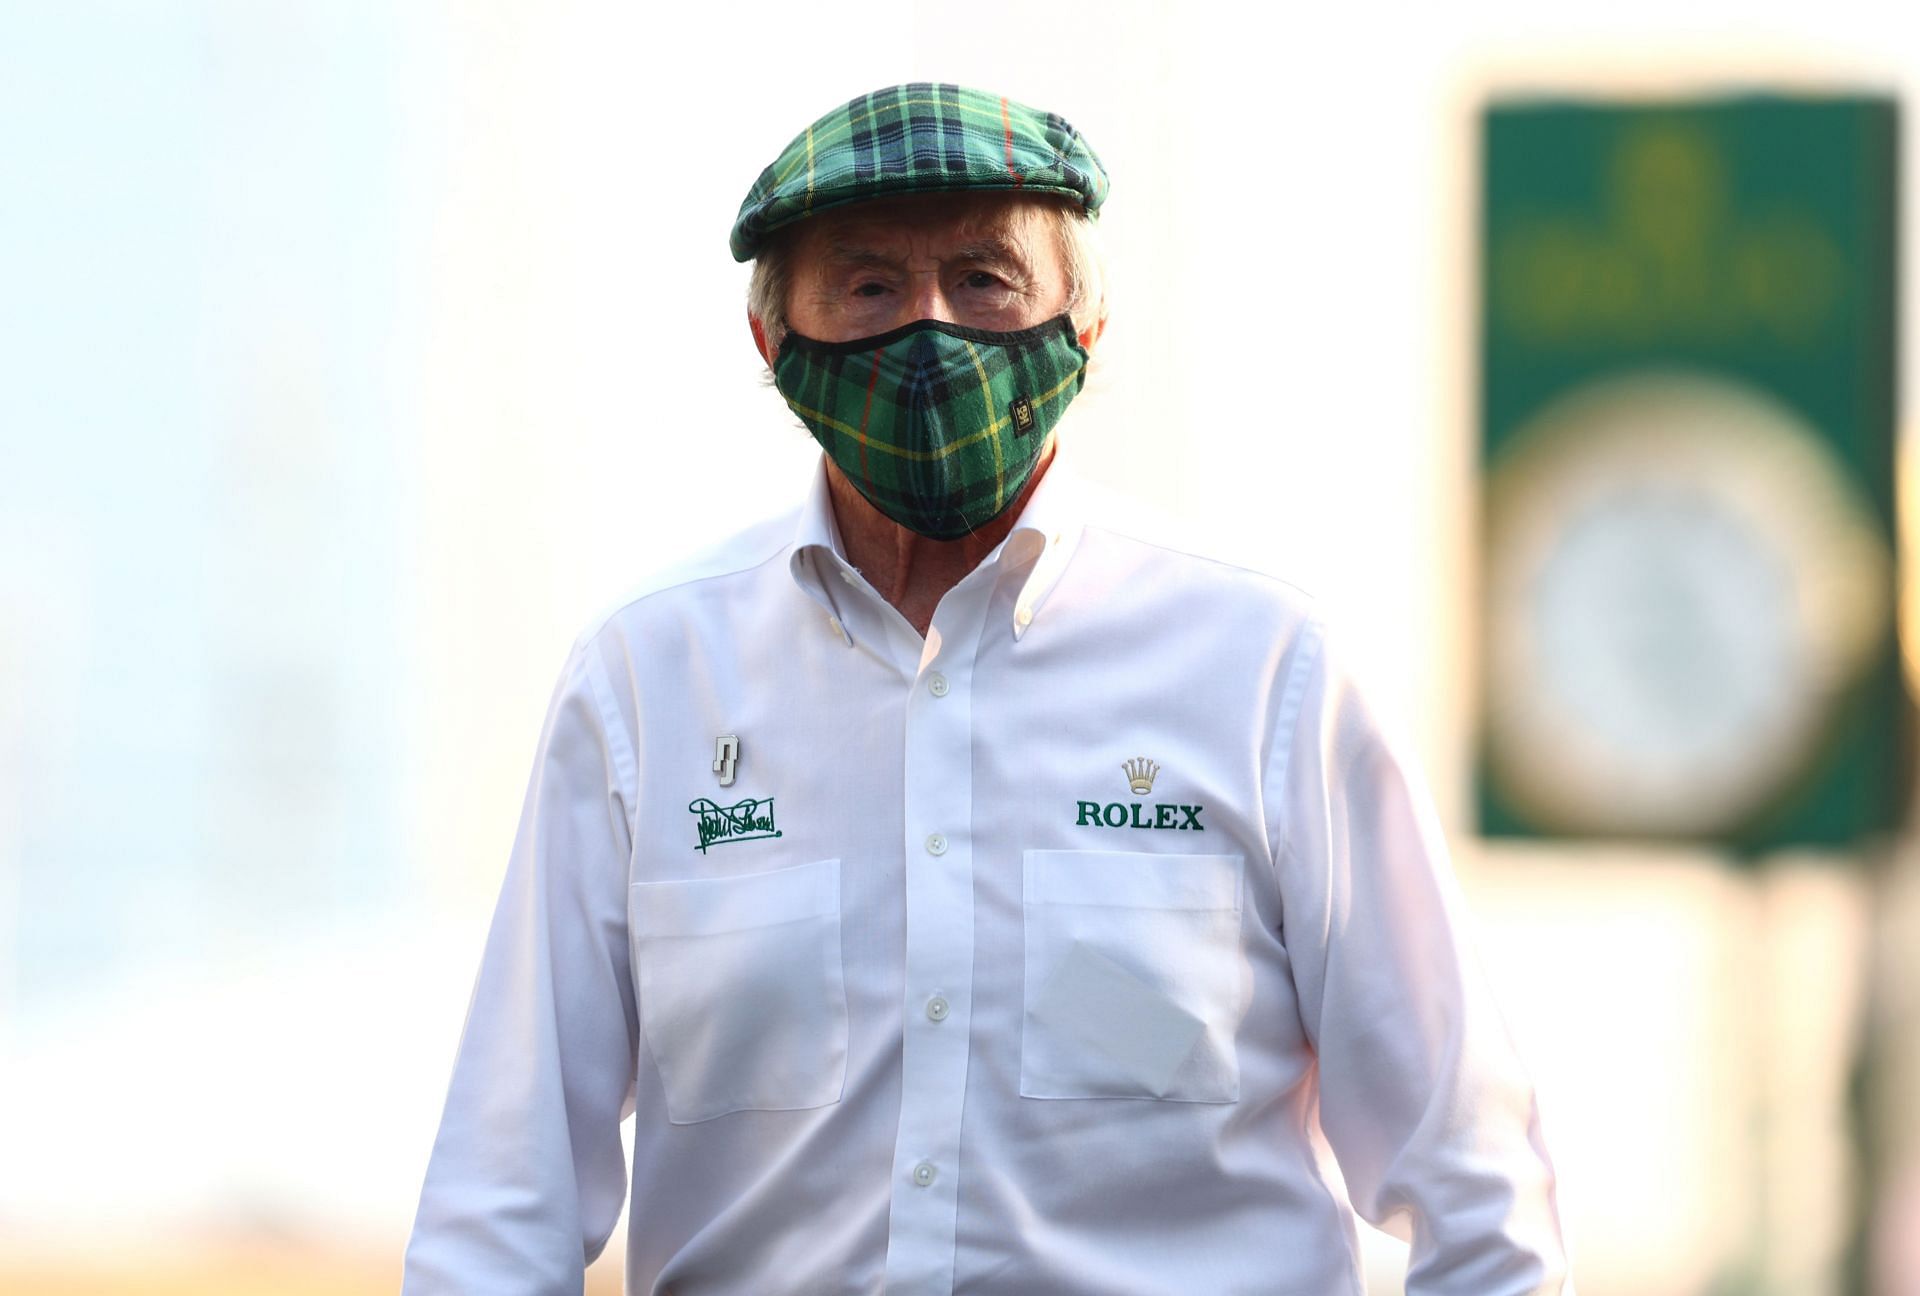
pixel 938 426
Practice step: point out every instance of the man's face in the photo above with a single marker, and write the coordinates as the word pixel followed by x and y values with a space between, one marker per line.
pixel 983 260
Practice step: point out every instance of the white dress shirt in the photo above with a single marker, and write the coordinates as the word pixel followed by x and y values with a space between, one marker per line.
pixel 1049 953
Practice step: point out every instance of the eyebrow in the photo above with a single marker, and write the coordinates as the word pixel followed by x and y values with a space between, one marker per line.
pixel 997 248
pixel 852 256
pixel 991 249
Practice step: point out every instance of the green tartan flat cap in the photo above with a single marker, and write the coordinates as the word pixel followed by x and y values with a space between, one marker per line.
pixel 916 138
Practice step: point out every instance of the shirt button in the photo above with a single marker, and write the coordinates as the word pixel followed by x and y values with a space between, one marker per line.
pixel 936 844
pixel 937 684
pixel 849 578
pixel 837 627
pixel 937 1008
pixel 923 1173
pixel 1023 617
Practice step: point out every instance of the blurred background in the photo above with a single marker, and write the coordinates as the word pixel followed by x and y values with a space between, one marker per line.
pixel 354 354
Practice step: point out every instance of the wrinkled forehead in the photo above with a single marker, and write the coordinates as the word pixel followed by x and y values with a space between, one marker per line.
pixel 926 222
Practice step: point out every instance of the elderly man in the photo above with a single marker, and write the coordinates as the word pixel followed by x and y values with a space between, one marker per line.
pixel 963 892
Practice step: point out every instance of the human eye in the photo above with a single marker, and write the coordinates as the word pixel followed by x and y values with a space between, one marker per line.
pixel 869 288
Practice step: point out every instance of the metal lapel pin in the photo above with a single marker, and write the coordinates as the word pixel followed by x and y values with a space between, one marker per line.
pixel 726 754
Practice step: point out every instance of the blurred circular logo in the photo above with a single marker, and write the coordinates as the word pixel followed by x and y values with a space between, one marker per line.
pixel 1681 581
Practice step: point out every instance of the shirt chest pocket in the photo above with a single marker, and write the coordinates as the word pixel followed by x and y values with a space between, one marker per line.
pixel 1134 976
pixel 741 989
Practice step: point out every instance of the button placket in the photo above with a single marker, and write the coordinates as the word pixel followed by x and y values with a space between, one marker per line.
pixel 937 815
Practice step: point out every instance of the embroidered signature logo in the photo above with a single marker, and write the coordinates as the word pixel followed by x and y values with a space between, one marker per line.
pixel 748 820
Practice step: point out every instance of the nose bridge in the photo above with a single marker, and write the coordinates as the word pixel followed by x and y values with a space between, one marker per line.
pixel 928 297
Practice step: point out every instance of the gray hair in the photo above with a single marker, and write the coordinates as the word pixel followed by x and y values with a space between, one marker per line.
pixel 1079 250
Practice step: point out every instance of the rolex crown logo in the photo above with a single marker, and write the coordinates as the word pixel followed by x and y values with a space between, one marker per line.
pixel 1141 773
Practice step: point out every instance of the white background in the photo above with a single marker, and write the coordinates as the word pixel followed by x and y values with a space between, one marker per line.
pixel 352 355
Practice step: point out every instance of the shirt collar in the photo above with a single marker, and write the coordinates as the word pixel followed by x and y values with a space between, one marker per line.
pixel 817 552
pixel 1046 533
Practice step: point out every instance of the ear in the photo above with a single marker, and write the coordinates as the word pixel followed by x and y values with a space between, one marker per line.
pixel 1091 334
pixel 760 338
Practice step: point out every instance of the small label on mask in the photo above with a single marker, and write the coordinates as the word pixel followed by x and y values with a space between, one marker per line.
pixel 1022 415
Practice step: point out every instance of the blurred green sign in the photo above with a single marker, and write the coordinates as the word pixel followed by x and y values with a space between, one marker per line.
pixel 1688 447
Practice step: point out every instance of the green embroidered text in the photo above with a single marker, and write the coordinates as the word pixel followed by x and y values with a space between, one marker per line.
pixel 748 820
pixel 1118 814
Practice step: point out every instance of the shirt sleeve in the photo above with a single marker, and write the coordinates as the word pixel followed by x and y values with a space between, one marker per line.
pixel 527 1173
pixel 1422 1096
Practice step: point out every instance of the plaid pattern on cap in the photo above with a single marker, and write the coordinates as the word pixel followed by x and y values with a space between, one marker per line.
pixel 911 139
pixel 938 425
